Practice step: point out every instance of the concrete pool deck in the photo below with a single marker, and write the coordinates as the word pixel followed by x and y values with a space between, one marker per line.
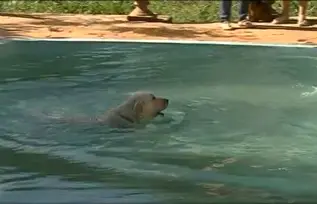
pixel 117 27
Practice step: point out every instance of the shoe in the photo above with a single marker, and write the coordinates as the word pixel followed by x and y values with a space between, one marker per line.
pixel 226 25
pixel 245 24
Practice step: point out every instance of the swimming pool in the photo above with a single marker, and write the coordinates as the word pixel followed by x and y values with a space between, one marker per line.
pixel 241 125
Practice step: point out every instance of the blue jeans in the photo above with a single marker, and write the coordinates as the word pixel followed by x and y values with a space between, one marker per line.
pixel 225 10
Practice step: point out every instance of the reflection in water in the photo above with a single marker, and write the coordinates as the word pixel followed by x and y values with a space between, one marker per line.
pixel 239 127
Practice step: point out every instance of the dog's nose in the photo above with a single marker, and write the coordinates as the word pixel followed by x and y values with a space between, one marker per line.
pixel 166 101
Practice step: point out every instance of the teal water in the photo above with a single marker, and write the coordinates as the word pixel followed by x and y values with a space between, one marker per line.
pixel 241 125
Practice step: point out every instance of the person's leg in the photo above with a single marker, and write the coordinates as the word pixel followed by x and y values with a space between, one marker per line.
pixel 285 13
pixel 302 13
pixel 225 14
pixel 243 14
pixel 225 10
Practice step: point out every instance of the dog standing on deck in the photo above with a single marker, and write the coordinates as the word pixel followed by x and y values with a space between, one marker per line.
pixel 138 108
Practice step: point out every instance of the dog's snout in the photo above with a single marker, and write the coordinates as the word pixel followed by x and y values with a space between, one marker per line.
pixel 166 101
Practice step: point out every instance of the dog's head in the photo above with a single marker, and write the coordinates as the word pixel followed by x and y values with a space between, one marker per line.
pixel 142 106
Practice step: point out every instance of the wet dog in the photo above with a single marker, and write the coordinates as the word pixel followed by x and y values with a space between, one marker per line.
pixel 139 108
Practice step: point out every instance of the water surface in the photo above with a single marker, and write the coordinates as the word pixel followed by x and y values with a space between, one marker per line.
pixel 241 125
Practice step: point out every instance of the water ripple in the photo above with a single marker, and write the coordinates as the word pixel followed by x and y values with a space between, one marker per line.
pixel 246 135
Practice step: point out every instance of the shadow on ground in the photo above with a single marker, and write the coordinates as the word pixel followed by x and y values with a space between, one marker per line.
pixel 291 25
pixel 37 19
pixel 15 30
pixel 5 33
pixel 21 15
pixel 34 22
pixel 167 32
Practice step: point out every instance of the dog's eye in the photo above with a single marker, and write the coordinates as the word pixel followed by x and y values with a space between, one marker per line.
pixel 153 97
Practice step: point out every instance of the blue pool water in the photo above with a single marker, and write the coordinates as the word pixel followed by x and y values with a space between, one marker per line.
pixel 241 125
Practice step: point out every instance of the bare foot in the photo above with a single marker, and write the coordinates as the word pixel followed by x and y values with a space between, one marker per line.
pixel 302 23
pixel 280 20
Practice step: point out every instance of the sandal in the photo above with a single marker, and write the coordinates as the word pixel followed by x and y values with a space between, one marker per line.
pixel 245 24
pixel 226 25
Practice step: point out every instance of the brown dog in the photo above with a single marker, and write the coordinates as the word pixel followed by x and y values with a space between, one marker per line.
pixel 261 11
pixel 139 108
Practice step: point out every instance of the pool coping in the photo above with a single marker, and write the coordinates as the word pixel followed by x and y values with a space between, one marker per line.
pixel 202 42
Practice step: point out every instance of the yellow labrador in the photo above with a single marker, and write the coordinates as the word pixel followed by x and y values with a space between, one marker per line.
pixel 138 108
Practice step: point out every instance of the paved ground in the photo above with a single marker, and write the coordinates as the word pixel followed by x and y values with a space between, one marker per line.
pixel 114 26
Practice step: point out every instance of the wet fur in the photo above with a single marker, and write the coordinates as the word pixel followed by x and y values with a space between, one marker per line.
pixel 138 108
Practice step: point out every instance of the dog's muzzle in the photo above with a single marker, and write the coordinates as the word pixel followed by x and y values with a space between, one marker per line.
pixel 165 106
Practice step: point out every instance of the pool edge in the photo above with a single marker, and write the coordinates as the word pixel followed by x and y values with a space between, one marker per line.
pixel 166 42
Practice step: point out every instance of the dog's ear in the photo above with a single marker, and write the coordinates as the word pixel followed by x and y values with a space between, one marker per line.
pixel 138 108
